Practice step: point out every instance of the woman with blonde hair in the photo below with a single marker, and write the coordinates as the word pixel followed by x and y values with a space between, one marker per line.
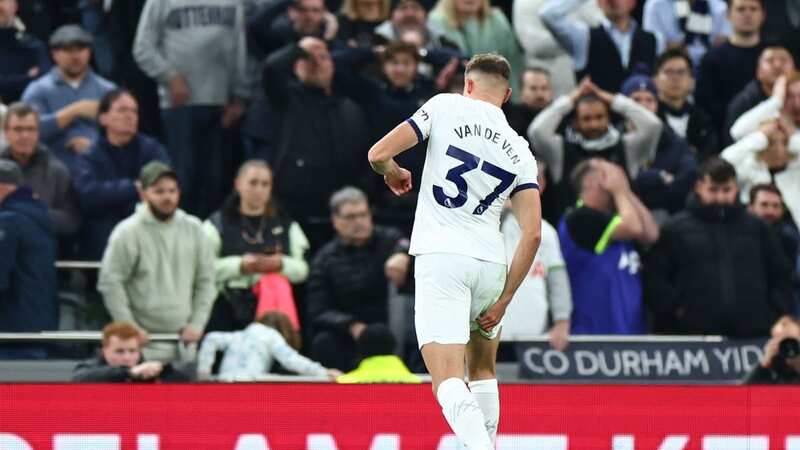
pixel 476 27
pixel 358 20
pixel 251 353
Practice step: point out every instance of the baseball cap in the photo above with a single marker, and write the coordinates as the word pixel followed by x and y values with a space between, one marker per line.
pixel 10 173
pixel 67 35
pixel 154 171
pixel 639 81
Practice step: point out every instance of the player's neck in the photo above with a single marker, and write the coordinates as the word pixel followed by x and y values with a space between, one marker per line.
pixel 492 100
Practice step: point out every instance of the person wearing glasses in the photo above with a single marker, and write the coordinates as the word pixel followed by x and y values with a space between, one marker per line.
pixel 349 280
pixel 251 236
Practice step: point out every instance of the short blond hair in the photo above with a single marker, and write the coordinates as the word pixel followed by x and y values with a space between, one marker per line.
pixel 490 64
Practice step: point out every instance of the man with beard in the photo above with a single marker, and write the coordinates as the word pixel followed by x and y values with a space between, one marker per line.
pixel 158 269
pixel 591 135
pixel 67 97
pixel 717 269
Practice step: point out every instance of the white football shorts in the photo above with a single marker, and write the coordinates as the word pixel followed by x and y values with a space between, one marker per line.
pixel 451 292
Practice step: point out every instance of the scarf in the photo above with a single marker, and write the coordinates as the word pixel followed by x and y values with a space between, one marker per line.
pixel 609 139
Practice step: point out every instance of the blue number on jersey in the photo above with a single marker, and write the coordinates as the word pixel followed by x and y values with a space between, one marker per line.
pixel 455 175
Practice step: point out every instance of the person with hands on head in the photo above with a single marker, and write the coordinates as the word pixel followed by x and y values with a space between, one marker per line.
pixel 462 281
pixel 769 155
pixel 592 135
pixel 121 360
pixel 774 62
pixel 299 84
pixel 784 102
pixel 598 240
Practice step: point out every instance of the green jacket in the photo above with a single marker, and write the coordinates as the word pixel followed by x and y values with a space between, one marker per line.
pixel 493 34
pixel 380 369
pixel 158 275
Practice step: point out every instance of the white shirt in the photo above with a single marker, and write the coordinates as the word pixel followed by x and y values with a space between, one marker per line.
pixel 474 162
pixel 528 311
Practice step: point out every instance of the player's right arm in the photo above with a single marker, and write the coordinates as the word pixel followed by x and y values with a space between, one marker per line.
pixel 527 208
pixel 401 138
pixel 381 157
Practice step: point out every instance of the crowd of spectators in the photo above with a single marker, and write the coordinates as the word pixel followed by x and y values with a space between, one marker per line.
pixel 668 143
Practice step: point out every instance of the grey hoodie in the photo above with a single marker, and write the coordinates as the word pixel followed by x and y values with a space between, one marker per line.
pixel 203 40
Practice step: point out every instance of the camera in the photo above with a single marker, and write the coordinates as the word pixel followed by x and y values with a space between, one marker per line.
pixel 788 349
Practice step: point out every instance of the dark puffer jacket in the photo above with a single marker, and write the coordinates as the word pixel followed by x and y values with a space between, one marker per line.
pixel 28 291
pixel 717 270
pixel 347 283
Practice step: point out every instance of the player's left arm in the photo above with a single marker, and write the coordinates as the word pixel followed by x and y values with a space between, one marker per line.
pixel 527 208
pixel 381 157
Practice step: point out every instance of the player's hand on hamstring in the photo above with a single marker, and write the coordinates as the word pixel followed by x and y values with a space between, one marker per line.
pixel 492 316
pixel 399 181
pixel 147 370
pixel 559 335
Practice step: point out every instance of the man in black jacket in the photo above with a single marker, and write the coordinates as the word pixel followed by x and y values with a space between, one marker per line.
pixel 121 360
pixel 322 136
pixel 717 269
pixel 349 279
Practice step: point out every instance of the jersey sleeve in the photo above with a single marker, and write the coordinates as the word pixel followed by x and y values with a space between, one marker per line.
pixel 422 120
pixel 527 178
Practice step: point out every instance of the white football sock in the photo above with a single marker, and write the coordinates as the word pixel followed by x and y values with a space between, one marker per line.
pixel 488 398
pixel 463 414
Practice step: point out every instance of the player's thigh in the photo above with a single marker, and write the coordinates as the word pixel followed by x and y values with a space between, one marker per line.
pixel 442 299
pixel 481 356
pixel 443 361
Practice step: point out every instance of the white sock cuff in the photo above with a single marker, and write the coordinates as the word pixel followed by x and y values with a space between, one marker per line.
pixel 484 386
pixel 450 385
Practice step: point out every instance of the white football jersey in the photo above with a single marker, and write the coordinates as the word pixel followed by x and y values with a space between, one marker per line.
pixel 474 162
